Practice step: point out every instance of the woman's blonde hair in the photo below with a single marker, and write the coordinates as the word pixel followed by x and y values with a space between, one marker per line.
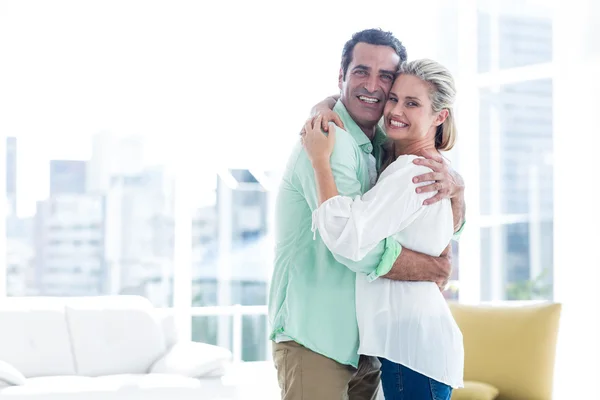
pixel 442 95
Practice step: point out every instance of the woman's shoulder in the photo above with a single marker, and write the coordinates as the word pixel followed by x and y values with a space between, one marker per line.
pixel 404 165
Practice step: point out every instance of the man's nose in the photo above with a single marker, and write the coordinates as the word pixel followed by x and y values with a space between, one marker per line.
pixel 371 84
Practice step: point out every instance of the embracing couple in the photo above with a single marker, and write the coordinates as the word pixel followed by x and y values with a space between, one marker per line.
pixel 365 214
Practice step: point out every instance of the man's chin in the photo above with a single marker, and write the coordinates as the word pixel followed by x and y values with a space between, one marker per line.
pixel 370 118
pixel 365 116
pixel 373 113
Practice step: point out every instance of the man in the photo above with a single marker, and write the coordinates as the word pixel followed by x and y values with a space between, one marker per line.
pixel 311 304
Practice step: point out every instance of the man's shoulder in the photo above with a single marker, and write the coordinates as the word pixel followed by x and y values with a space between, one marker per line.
pixel 344 152
pixel 344 143
pixel 344 136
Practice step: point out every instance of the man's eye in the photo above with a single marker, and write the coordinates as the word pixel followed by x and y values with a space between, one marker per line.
pixel 387 78
pixel 361 72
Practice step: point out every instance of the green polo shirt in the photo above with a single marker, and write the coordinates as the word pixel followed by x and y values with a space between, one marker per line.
pixel 311 297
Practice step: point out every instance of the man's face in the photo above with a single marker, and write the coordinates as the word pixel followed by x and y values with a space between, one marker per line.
pixel 368 81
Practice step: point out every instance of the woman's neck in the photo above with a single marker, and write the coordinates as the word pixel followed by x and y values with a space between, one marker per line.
pixel 402 148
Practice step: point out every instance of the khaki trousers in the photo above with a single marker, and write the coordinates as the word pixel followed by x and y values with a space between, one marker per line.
pixel 305 375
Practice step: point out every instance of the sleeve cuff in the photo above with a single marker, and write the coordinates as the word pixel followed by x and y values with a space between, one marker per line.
pixel 457 234
pixel 390 254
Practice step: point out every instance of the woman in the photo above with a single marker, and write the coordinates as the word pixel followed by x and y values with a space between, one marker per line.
pixel 407 324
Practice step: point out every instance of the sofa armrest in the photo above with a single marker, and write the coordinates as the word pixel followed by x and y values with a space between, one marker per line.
pixel 511 347
pixel 193 359
pixel 475 391
pixel 9 375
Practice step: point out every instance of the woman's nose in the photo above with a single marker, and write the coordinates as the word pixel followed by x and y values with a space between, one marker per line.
pixel 398 110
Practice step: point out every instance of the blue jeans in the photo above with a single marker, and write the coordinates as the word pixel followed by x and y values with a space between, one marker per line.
pixel 401 383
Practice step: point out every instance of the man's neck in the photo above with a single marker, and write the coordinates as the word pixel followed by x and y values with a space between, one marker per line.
pixel 369 132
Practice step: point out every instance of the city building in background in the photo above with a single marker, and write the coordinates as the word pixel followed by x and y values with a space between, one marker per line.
pixel 107 227
pixel 69 246
pixel 232 257
pixel 19 233
pixel 68 177
pixel 11 175
pixel 113 155
pixel 139 235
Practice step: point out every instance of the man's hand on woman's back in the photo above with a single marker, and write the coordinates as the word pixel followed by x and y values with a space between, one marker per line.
pixel 413 266
pixel 447 256
pixel 445 180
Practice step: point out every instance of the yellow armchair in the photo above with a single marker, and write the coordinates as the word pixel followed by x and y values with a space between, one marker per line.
pixel 509 351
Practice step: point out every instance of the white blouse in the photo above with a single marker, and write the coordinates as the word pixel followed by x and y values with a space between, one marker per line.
pixel 408 323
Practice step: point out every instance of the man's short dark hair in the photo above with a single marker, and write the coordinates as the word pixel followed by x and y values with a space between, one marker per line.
pixel 376 37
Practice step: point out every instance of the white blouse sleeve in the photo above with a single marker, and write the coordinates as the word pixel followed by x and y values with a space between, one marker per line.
pixel 353 227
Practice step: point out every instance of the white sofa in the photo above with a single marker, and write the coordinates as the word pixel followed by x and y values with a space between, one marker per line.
pixel 113 347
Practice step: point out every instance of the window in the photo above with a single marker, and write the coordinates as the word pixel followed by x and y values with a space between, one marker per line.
pixel 158 176
pixel 232 257
pixel 516 185
pixel 95 227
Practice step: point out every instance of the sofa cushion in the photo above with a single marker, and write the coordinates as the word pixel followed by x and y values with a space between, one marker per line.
pixel 510 347
pixel 475 391
pixel 107 383
pixel 125 386
pixel 168 326
pixel 114 335
pixel 9 375
pixel 34 337
pixel 194 360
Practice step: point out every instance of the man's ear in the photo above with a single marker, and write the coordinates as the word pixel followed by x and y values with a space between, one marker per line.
pixel 441 117
pixel 341 79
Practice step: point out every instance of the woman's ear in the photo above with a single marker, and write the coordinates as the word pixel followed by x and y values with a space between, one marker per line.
pixel 441 117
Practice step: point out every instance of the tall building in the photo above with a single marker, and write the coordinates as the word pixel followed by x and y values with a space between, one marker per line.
pixel 19 267
pixel 139 235
pixel 67 177
pixel 233 228
pixel 69 246
pixel 11 175
pixel 232 258
pixel 19 244
pixel 113 155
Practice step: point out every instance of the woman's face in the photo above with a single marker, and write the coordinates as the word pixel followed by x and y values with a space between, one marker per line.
pixel 408 114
